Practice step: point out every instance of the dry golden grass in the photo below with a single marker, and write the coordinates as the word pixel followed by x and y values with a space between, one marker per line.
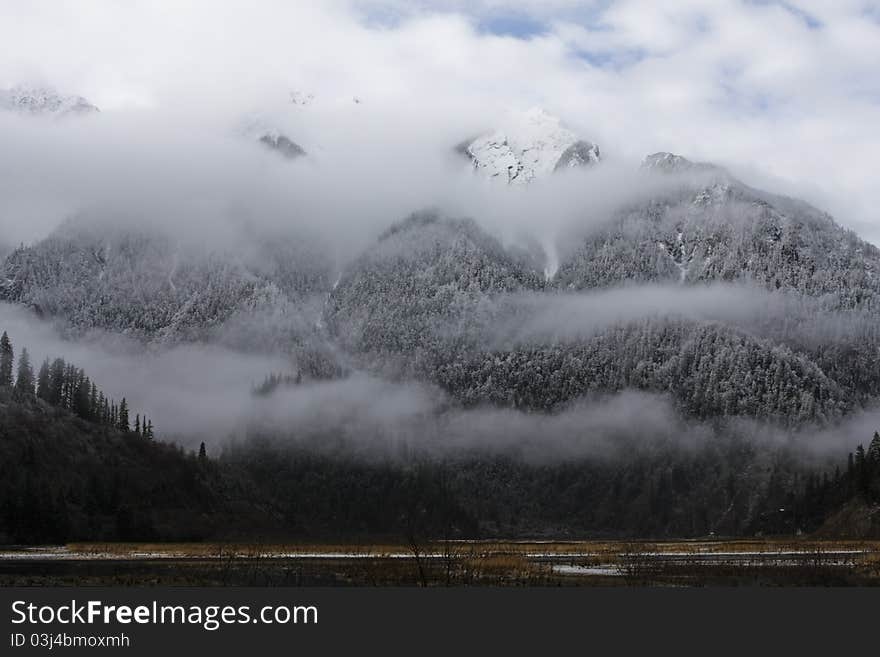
pixel 482 549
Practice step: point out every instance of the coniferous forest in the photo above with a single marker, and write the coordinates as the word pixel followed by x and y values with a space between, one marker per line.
pixel 74 467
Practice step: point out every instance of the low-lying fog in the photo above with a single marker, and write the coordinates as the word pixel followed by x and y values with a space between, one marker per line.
pixel 196 393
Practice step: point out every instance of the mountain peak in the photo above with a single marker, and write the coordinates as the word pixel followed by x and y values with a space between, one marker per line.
pixel 672 163
pixel 527 146
pixel 42 100
pixel 257 127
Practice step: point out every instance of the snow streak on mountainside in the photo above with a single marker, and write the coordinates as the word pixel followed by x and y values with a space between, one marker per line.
pixel 43 101
pixel 529 146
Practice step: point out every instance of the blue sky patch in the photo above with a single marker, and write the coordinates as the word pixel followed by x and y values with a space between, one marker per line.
pixel 615 60
pixel 514 25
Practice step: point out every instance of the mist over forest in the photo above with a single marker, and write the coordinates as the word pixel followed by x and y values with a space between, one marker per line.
pixel 190 197
pixel 432 272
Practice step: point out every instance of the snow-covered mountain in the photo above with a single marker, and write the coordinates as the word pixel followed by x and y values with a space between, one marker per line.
pixel 431 289
pixel 672 163
pixel 40 100
pixel 423 271
pixel 528 146
pixel 712 227
pixel 430 299
pixel 424 294
pixel 263 291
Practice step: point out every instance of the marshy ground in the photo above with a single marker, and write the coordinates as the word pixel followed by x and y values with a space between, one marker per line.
pixel 750 562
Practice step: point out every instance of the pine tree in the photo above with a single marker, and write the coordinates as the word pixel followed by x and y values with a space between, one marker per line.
pixel 43 381
pixel 81 404
pixel 24 383
pixel 874 449
pixel 7 356
pixel 137 424
pixel 123 416
pixel 861 470
pixel 56 382
pixel 202 452
pixel 859 458
pixel 94 407
pixel 70 383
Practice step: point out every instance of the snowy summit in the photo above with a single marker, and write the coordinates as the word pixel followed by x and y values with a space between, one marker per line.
pixel 530 145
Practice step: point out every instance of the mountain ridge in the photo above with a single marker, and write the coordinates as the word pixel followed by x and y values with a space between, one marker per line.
pixel 43 100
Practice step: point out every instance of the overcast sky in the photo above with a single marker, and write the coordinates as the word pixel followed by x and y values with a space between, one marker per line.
pixel 785 93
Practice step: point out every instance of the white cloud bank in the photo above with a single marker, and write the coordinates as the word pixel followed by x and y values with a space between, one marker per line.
pixel 785 91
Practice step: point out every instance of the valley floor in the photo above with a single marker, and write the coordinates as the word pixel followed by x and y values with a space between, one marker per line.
pixel 752 562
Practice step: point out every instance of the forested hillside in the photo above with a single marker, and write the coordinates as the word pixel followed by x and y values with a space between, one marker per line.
pixel 714 228
pixel 424 275
pixel 142 283
pixel 441 301
pixel 65 479
pixel 433 291
pixel 710 369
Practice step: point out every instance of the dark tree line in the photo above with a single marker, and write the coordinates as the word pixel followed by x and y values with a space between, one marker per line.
pixel 66 386
pixel 859 480
pixel 801 500
pixel 64 479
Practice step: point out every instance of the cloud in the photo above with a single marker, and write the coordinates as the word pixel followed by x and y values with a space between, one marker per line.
pixel 203 393
pixel 187 391
pixel 782 91
pixel 200 179
pixel 561 318
pixel 195 393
